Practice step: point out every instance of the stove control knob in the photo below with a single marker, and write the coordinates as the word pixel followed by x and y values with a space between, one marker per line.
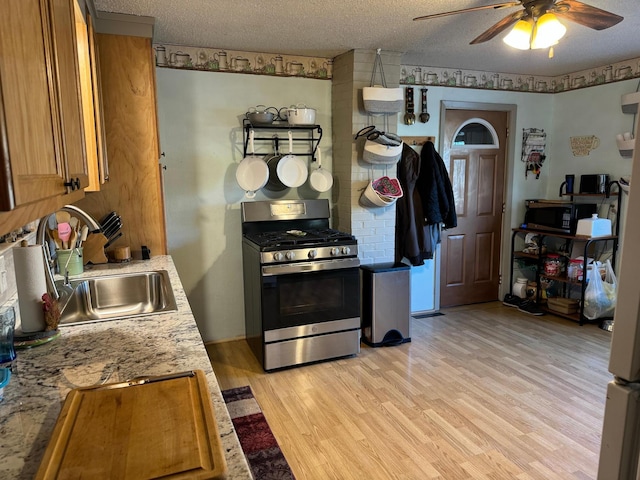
pixel 312 254
pixel 290 255
pixel 335 251
pixel 278 256
pixel 346 250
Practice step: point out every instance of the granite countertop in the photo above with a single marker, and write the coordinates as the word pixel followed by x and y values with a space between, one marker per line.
pixel 104 352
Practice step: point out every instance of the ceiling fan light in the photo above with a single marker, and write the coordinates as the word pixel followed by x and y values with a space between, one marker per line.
pixel 520 35
pixel 547 32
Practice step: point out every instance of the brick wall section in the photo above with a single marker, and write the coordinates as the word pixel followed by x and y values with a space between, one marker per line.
pixel 373 227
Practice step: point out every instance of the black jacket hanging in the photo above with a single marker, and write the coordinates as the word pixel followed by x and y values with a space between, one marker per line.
pixel 410 237
pixel 426 204
pixel 435 189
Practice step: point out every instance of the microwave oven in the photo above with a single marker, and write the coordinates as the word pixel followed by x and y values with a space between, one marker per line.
pixel 559 217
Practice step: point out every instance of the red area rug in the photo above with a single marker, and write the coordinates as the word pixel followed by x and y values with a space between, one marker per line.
pixel 258 443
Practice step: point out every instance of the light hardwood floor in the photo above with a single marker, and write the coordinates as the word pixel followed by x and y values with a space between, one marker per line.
pixel 483 392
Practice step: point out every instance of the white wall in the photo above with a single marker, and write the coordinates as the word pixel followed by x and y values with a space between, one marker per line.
pixel 590 111
pixel 200 116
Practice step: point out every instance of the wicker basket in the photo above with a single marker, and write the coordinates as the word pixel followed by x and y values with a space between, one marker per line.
pixel 373 199
pixel 563 305
pixel 378 154
pixel 382 100
pixel 377 98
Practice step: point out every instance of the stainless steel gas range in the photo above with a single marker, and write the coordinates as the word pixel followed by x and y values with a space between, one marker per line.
pixel 301 284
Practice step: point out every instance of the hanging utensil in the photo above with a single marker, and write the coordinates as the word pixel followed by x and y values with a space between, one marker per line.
pixel 320 179
pixel 409 116
pixel 424 116
pixel 274 184
pixel 252 173
pixel 291 170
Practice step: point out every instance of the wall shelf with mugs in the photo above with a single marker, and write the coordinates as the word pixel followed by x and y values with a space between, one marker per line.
pixel 236 61
pixel 625 141
pixel 311 134
pixel 567 188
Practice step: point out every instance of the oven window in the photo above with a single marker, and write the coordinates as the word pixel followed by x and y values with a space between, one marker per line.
pixel 311 297
pixel 305 297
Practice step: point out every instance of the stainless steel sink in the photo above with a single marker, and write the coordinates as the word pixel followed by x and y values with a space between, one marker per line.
pixel 118 296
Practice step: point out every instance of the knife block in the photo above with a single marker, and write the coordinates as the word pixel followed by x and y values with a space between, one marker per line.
pixel 93 249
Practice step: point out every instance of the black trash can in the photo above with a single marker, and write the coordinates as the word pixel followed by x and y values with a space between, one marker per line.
pixel 385 304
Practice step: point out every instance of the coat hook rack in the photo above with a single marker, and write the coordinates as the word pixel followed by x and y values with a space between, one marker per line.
pixel 418 141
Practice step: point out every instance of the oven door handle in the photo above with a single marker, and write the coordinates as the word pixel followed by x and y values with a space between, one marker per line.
pixel 302 267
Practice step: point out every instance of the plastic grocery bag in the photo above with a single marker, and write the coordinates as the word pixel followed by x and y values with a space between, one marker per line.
pixel 600 295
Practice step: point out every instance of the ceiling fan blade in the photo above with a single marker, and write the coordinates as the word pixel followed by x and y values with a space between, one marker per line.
pixel 587 15
pixel 499 27
pixel 472 9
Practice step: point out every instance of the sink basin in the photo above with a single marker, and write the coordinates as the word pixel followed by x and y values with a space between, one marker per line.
pixel 118 296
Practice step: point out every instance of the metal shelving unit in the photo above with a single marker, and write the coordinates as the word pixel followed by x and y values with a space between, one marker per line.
pixel 538 259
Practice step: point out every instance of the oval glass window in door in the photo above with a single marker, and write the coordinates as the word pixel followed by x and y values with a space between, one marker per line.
pixel 475 132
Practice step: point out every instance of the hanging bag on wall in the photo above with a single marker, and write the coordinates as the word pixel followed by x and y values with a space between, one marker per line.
pixel 378 99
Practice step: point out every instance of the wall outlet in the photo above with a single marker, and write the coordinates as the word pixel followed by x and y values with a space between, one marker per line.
pixel 4 285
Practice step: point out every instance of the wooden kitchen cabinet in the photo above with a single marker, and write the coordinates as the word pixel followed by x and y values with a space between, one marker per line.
pixel 134 190
pixel 63 21
pixel 42 150
pixel 91 91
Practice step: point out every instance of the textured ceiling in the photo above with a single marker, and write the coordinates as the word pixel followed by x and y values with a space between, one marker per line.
pixel 328 28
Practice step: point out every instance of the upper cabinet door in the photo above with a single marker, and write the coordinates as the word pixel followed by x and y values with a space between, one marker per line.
pixel 42 146
pixel 101 135
pixel 63 24
pixel 91 90
pixel 31 162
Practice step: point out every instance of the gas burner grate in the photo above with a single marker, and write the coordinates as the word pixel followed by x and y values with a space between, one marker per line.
pixel 331 235
pixel 313 237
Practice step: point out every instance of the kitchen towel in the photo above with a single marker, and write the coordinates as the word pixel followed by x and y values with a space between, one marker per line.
pixel 31 285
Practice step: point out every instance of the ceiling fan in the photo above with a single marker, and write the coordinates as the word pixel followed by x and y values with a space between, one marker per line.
pixel 571 10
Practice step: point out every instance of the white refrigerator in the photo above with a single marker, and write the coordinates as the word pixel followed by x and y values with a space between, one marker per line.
pixel 620 448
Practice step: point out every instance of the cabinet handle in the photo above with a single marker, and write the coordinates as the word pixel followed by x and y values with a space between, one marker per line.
pixel 73 184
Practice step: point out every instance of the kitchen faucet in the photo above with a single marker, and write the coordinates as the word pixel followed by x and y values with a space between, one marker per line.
pixel 41 239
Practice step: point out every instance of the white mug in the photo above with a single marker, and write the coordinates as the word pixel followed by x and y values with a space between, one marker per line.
pixel 430 78
pixel 222 60
pixel 279 65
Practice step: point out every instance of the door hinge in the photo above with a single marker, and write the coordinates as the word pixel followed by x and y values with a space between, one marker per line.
pixel 507 132
pixel 504 207
pixel 499 279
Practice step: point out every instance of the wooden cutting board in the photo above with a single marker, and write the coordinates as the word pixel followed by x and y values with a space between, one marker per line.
pixel 146 428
